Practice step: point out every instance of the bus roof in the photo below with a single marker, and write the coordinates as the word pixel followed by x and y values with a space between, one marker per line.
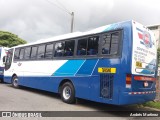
pixel 72 35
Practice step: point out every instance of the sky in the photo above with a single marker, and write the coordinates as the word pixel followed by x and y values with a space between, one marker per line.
pixel 33 20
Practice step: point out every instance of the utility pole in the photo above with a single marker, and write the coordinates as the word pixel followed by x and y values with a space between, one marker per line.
pixel 72 21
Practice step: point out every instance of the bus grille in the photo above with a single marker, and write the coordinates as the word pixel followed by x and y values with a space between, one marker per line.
pixel 106 85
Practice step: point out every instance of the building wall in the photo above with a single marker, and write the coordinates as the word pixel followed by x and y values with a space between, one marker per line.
pixel 156 30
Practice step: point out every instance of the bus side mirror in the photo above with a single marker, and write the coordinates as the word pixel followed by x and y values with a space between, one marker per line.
pixel 4 59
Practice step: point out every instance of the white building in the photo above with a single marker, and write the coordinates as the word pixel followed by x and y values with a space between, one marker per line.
pixel 156 30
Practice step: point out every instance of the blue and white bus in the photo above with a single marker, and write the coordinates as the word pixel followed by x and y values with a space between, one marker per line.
pixel 3 52
pixel 113 64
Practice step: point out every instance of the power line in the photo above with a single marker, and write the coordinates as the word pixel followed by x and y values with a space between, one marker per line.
pixel 63 6
pixel 64 9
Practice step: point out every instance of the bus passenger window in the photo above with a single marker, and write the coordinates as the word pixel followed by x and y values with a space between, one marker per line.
pixel 82 46
pixel 27 53
pixel 69 48
pixel 16 55
pixel 49 50
pixel 93 45
pixel 106 44
pixel 21 54
pixel 41 50
pixel 59 49
pixel 34 53
pixel 114 43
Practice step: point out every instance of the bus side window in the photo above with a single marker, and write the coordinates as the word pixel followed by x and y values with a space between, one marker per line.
pixel 34 53
pixel 114 43
pixel 16 55
pixel 92 45
pixel 82 47
pixel 41 50
pixel 59 49
pixel 49 50
pixel 27 53
pixel 106 44
pixel 69 48
pixel 21 55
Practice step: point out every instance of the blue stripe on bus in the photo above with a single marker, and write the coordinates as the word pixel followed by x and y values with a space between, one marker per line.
pixel 69 68
pixel 87 67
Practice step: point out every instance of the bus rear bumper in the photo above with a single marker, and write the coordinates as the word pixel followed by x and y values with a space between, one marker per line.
pixel 136 97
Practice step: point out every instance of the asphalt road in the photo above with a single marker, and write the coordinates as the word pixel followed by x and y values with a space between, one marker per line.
pixel 27 99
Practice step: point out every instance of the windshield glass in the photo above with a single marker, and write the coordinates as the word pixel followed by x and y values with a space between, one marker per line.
pixel 9 59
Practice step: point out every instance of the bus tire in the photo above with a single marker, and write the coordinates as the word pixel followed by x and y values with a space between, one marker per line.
pixel 68 93
pixel 15 82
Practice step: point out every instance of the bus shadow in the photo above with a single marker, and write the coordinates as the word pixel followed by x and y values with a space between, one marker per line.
pixel 36 91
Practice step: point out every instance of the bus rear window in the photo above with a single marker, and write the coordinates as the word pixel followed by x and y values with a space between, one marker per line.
pixel 114 43
pixel 110 43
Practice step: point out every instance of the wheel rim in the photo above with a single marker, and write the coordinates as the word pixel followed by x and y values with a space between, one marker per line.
pixel 15 82
pixel 67 92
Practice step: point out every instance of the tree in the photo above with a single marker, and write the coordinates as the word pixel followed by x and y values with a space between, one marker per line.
pixel 8 39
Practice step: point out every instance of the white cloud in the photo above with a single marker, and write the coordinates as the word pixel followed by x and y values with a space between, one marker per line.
pixel 38 19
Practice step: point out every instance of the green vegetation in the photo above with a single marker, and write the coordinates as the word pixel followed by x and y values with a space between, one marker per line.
pixel 8 39
pixel 158 56
pixel 152 104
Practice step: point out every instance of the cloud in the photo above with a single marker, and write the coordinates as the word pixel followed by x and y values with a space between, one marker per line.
pixel 39 19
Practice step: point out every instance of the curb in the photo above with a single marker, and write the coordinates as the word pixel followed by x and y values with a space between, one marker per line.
pixel 155 109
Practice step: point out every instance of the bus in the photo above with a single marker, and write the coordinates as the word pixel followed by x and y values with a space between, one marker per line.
pixel 3 52
pixel 112 64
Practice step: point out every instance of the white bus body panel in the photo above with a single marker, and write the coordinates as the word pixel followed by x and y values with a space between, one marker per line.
pixel 143 51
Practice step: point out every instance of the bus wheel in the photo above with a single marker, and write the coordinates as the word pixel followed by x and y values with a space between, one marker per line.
pixel 68 93
pixel 15 82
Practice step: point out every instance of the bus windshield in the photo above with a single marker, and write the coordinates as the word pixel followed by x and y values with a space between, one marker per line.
pixel 8 59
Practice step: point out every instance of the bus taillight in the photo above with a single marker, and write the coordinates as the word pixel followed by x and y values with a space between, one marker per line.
pixel 128 80
pixel 143 78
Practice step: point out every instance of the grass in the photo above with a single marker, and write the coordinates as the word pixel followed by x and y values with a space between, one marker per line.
pixel 152 104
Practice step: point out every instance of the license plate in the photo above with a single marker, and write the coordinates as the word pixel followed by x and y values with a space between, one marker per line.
pixel 106 70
